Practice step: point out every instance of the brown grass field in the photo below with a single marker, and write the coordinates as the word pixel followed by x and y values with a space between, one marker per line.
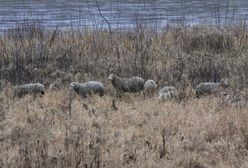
pixel 144 132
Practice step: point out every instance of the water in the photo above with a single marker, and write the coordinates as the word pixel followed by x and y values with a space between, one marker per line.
pixel 120 13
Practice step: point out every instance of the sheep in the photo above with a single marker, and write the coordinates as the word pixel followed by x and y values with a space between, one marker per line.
pixel 131 85
pixel 166 89
pixel 167 93
pixel 87 88
pixel 209 88
pixel 150 87
pixel 237 98
pixel 163 96
pixel 35 88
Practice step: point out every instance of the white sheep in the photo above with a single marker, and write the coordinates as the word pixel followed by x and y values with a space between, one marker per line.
pixel 208 88
pixel 87 88
pixel 35 88
pixel 163 96
pixel 133 84
pixel 166 89
pixel 167 93
pixel 150 87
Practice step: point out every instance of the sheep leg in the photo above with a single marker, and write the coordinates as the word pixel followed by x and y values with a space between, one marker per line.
pixel 84 96
pixel 118 94
pixel 101 93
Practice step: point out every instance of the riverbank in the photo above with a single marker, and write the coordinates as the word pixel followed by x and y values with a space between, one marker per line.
pixel 186 132
pixel 178 56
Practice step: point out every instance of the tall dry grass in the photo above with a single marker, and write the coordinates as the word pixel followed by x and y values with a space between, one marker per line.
pixel 175 55
pixel 141 133
pixel 57 131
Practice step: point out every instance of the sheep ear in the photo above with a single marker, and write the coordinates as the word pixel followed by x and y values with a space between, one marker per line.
pixel 72 85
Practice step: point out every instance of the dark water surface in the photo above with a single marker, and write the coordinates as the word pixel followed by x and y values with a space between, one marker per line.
pixel 120 13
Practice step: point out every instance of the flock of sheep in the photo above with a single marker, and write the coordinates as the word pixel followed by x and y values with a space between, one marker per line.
pixel 121 85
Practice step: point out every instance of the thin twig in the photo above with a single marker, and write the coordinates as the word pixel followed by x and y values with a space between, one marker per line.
pixel 104 18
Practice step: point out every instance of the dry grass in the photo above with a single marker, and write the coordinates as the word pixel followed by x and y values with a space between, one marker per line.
pixel 188 132
pixel 141 133
pixel 175 55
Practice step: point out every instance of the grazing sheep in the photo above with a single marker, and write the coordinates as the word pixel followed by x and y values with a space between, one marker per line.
pixel 167 93
pixel 35 88
pixel 208 88
pixel 166 89
pixel 133 84
pixel 87 88
pixel 237 98
pixel 150 87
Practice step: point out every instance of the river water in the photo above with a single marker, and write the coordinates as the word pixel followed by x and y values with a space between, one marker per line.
pixel 120 13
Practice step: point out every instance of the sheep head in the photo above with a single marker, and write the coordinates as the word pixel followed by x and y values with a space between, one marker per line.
pixel 73 84
pixel 111 77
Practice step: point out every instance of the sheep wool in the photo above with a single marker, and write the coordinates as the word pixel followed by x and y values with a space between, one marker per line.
pixel 163 96
pixel 133 84
pixel 166 89
pixel 150 87
pixel 87 88
pixel 208 88
pixel 35 88
pixel 167 93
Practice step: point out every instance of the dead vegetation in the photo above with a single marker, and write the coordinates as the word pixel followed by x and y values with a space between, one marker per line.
pixel 140 133
pixel 61 129
pixel 175 55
